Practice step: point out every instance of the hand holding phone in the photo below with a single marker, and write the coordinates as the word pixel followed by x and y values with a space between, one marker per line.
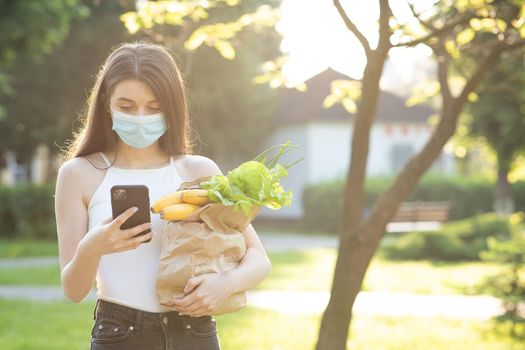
pixel 125 196
pixel 127 228
pixel 108 237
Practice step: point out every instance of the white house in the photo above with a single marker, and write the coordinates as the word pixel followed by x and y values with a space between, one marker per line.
pixel 324 137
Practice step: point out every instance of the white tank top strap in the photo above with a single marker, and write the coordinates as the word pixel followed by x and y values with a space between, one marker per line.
pixel 108 163
pixel 171 160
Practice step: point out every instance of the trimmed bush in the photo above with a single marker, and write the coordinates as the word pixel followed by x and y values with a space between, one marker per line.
pixel 322 204
pixel 27 211
pixel 457 240
pixel 469 196
pixel 424 245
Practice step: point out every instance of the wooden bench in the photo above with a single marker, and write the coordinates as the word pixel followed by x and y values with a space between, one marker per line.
pixel 419 216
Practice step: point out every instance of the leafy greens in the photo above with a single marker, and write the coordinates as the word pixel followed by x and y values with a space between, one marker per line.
pixel 252 183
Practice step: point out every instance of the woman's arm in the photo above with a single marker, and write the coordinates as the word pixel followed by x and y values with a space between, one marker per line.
pixel 254 266
pixel 78 264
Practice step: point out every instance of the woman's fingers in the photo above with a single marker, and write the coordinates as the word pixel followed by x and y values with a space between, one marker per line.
pixel 195 312
pixel 136 241
pixel 194 308
pixel 130 232
pixel 190 302
pixel 121 219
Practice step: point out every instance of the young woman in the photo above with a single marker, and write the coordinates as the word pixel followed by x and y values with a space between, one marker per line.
pixel 135 131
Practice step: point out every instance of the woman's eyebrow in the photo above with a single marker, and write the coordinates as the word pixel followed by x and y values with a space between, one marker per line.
pixel 128 100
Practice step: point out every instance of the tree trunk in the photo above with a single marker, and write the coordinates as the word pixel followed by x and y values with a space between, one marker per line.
pixel 503 201
pixel 355 252
pixel 353 257
pixel 359 239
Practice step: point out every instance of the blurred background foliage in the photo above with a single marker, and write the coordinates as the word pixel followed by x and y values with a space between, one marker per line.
pixel 47 98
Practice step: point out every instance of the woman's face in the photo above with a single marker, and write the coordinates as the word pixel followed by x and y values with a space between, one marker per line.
pixel 134 97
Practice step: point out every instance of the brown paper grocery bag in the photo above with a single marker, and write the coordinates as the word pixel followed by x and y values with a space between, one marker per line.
pixel 210 240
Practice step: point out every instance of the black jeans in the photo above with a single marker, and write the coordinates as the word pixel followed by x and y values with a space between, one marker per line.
pixel 120 327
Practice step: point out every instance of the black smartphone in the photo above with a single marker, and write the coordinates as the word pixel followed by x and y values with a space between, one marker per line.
pixel 124 197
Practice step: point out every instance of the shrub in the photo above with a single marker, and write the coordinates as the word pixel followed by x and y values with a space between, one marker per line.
pixel 27 211
pixel 508 285
pixel 469 197
pixel 457 240
pixel 322 204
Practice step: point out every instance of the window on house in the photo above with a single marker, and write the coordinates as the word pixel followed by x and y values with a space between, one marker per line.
pixel 399 154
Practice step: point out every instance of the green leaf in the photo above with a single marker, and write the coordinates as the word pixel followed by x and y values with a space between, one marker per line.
pixel 196 39
pixel 301 87
pixel 349 105
pixel 198 14
pixel 452 48
pixel 465 36
pixel 131 22
pixel 346 92
pixel 225 49
pixel 422 92
pixel 501 24
pixel 329 101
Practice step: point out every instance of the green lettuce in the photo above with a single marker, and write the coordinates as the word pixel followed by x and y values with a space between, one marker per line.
pixel 252 183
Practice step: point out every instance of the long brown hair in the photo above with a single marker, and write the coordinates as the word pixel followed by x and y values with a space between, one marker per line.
pixel 153 64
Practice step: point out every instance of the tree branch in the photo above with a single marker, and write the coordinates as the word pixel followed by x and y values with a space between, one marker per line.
pixel 476 77
pixel 353 28
pixel 515 44
pixel 385 31
pixel 442 59
pixel 426 24
pixel 494 53
pixel 437 31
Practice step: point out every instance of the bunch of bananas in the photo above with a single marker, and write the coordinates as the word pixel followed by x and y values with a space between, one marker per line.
pixel 180 204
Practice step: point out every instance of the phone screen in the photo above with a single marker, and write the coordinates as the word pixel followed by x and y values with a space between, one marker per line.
pixel 124 197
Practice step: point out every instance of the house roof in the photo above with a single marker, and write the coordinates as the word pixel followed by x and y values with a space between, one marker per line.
pixel 299 107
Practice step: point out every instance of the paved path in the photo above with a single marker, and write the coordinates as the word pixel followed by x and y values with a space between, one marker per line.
pixel 300 302
pixel 25 262
pixel 378 303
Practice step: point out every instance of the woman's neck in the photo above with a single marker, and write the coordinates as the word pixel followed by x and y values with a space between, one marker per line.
pixel 129 157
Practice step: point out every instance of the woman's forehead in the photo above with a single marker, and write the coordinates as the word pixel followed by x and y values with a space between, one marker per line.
pixel 134 90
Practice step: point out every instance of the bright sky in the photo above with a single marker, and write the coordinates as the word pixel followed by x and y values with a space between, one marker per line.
pixel 316 37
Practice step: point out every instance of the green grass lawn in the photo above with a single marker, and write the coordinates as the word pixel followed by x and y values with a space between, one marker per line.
pixel 313 270
pixel 42 275
pixel 15 248
pixel 65 325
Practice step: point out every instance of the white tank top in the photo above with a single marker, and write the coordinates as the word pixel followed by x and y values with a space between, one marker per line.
pixel 128 278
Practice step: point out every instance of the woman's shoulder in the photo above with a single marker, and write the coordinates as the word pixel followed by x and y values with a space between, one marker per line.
pixel 81 164
pixel 82 174
pixel 84 162
pixel 200 166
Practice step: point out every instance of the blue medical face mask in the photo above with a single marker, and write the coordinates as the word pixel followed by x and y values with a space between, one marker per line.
pixel 138 130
